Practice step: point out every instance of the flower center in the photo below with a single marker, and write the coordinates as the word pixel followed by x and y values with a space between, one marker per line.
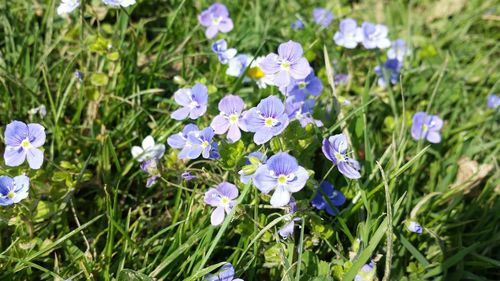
pixel 256 72
pixel 285 65
pixel 204 144
pixel 224 201
pixel 339 156
pixel 302 85
pixel 270 122
pixel 25 143
pixel 216 20
pixel 193 104
pixel 425 127
pixel 233 118
pixel 11 194
pixel 282 179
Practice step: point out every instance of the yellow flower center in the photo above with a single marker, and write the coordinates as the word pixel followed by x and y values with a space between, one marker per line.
pixel 302 85
pixel 425 127
pixel 339 156
pixel 256 72
pixel 11 194
pixel 193 104
pixel 216 20
pixel 25 143
pixel 233 118
pixel 281 179
pixel 204 144
pixel 269 122
pixel 285 65
pixel 224 200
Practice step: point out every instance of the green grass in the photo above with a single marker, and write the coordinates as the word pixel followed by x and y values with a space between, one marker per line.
pixel 89 216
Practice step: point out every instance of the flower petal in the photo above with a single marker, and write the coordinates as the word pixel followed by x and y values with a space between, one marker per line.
pixel 14 156
pixel 290 51
pixel 217 216
pixel 228 189
pixel 148 143
pixel 263 180
pixel 280 197
pixel 35 158
pixel 36 134
pixel 220 124
pixel 15 133
pixel 301 177
pixel 181 113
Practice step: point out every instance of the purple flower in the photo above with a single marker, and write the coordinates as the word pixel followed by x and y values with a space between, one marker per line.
pixel 282 174
pixel 301 89
pixel 151 167
pixel 341 78
pixel 149 150
pixel 215 19
pixel 238 65
pixel 414 227
pixel 301 111
pixel 193 102
pixel 335 198
pixel 187 176
pixel 198 143
pixel 349 34
pixel 226 273
pixel 398 50
pixel 220 49
pixel 222 197
pixel 393 68
pixel 254 161
pixel 179 140
pixel 335 150
pixel 285 65
pixel 13 190
pixel 426 127
pixel 322 17
pixel 67 6
pixel 288 228
pixel 266 120
pixel 22 142
pixel 118 3
pixel 229 120
pixel 375 36
pixel 367 272
pixel 298 24
pixel 493 101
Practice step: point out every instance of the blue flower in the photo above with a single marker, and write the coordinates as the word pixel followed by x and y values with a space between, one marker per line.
pixel 23 142
pixel 226 273
pixel 193 102
pixel 151 167
pixel 367 272
pixel 335 198
pixel 254 161
pixel 301 111
pixel 301 89
pixel 266 120
pixel 187 176
pixel 426 126
pixel 493 101
pixel 13 190
pixel 149 150
pixel 288 228
pixel 298 24
pixel 179 140
pixel 414 227
pixel 375 36
pixel 67 6
pixel 349 34
pixel 335 149
pixel 238 65
pixel 199 143
pixel 322 17
pixel 229 120
pixel 223 198
pixel 118 3
pixel 398 50
pixel 220 49
pixel 215 18
pixel 282 174
pixel 393 68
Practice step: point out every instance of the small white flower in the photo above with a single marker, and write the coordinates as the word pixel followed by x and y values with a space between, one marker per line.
pixel 117 3
pixel 149 150
pixel 67 6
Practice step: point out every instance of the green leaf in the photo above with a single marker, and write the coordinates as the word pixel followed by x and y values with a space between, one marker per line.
pixel 231 153
pixel 99 79
pixel 131 275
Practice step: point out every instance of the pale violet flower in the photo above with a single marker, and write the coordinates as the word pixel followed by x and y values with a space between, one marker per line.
pixel 229 120
pixel 238 65
pixel 23 142
pixel 149 150
pixel 118 3
pixel 335 149
pixel 414 227
pixel 375 36
pixel 67 6
pixel 349 34
pixel 13 190
pixel 224 54
pixel 223 199
pixel 398 50
pixel 215 18
pixel 193 101
pixel 253 162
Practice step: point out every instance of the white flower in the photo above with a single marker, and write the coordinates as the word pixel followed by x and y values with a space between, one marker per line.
pixel 149 150
pixel 116 3
pixel 67 6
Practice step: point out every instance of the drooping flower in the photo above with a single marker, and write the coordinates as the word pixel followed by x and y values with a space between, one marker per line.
pixel 335 149
pixel 493 101
pixel 215 18
pixel 375 36
pixel 179 140
pixel 254 161
pixel 282 174
pixel 41 110
pixel 341 78
pixel 326 197
pixel 151 166
pixel 301 111
pixel 149 150
pixel 322 17
pixel 198 143
pixel 223 198
pixel 310 86
pixel 238 65
pixel 187 176
pixel 226 273
pixel 193 102
pixel 229 120
pixel 298 24
pixel 288 228
pixel 23 142
pixel 224 54
pixel 13 190
pixel 288 64
pixel 393 68
pixel 256 73
pixel 398 50
pixel 414 227
pixel 426 127
pixel 118 3
pixel 349 34
pixel 67 6
pixel 367 272
pixel 266 120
